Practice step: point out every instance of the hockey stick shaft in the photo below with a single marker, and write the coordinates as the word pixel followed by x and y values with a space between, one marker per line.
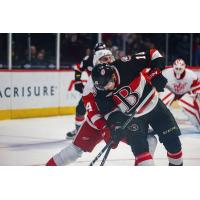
pixel 110 146
pixel 106 155
pixel 101 152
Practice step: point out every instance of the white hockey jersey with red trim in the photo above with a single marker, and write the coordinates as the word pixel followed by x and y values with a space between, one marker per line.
pixel 189 82
pixel 97 105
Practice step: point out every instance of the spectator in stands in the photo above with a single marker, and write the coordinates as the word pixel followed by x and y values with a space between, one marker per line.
pixel 134 43
pixel 88 52
pixel 183 47
pixel 33 55
pixel 196 51
pixel 40 60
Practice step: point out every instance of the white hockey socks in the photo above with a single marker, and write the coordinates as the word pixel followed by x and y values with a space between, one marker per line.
pixel 175 159
pixel 67 155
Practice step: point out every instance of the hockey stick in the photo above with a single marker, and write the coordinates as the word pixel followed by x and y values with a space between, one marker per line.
pixel 106 155
pixel 109 146
pixel 101 152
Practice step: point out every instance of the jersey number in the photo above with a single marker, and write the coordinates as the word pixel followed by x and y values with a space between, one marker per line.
pixel 89 107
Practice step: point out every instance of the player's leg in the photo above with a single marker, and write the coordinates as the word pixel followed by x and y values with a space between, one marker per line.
pixel 79 119
pixel 164 124
pixel 66 156
pixel 85 141
pixel 137 139
pixel 190 107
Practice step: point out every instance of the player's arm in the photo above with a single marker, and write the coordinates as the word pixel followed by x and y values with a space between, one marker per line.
pixel 195 87
pixel 78 83
pixel 148 59
pixel 156 60
pixel 92 109
pixel 156 64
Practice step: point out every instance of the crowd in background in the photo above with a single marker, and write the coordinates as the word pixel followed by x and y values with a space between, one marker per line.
pixel 38 50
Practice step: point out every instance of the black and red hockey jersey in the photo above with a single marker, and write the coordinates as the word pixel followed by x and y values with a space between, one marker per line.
pixel 133 93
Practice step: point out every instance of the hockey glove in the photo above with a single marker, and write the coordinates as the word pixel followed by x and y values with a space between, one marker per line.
pixel 79 87
pixel 112 134
pixel 117 134
pixel 106 134
pixel 157 79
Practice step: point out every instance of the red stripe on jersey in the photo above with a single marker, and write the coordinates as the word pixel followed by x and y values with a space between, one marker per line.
pixel 195 86
pixel 185 102
pixel 146 104
pixel 175 155
pixel 92 110
pixel 195 83
pixel 145 73
pixel 135 83
pixel 167 102
pixel 167 96
pixel 142 157
pixel 151 53
pixel 196 90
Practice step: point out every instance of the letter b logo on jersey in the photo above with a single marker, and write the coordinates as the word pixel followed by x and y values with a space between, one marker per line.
pixel 126 99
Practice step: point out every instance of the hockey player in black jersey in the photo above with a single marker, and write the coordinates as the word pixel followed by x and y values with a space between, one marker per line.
pixel 85 66
pixel 134 89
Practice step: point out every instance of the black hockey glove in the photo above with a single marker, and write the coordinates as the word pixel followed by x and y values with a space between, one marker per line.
pixel 159 82
pixel 117 134
pixel 79 87
pixel 117 118
pixel 157 79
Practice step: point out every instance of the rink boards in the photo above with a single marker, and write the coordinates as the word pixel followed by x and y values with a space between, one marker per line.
pixel 32 93
pixel 37 93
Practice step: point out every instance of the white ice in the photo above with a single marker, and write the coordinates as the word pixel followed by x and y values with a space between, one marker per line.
pixel 34 141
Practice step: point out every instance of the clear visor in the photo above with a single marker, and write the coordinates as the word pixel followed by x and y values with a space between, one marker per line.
pixel 108 86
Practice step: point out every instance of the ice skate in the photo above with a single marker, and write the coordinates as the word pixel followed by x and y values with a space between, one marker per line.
pixel 70 135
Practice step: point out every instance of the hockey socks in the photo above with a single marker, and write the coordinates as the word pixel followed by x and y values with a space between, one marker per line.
pixel 175 159
pixel 144 159
pixel 51 162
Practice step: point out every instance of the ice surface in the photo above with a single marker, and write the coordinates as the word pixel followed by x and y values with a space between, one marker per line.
pixel 34 141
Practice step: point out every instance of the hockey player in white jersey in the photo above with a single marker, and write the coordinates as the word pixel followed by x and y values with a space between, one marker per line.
pixel 183 85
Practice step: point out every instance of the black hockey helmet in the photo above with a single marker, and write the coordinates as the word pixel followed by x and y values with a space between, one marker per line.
pixel 101 75
pixel 99 46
